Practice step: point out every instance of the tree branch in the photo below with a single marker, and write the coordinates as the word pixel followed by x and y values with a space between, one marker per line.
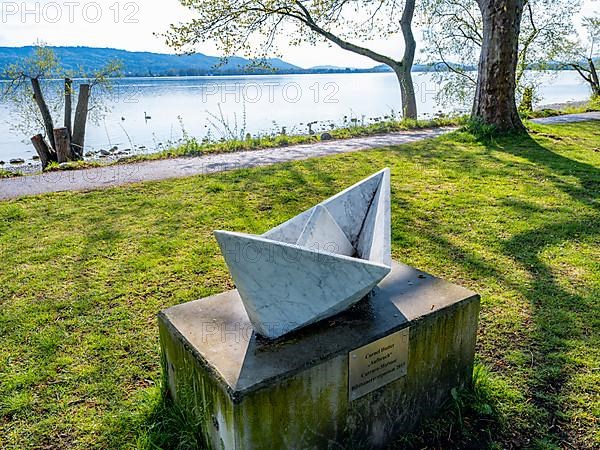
pixel 581 70
pixel 308 21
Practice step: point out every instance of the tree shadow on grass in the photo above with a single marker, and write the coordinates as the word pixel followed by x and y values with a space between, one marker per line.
pixel 588 176
pixel 561 317
pixel 558 317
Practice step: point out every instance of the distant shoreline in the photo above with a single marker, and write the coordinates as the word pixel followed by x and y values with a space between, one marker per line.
pixel 280 73
pixel 239 74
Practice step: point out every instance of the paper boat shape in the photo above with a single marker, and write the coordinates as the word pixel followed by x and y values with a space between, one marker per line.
pixel 316 264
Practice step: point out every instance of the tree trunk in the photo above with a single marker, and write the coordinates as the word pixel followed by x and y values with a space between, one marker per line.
pixel 407 91
pixel 63 145
pixel 81 114
pixel 402 68
pixel 526 106
pixel 594 76
pixel 494 102
pixel 45 152
pixel 38 96
pixel 68 105
pixel 407 88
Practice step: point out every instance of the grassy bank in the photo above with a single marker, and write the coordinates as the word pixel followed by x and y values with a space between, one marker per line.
pixel 191 146
pixel 82 276
pixel 8 174
pixel 576 108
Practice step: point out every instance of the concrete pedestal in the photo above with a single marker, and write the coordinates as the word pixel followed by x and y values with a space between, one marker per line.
pixel 357 380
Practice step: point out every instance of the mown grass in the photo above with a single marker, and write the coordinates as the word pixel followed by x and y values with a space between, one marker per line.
pixel 517 219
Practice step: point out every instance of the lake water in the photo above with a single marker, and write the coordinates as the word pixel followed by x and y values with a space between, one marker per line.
pixel 252 104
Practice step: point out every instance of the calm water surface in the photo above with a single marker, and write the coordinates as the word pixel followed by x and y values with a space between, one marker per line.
pixel 147 114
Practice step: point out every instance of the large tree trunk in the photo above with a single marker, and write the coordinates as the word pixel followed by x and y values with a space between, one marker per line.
pixel 81 114
pixel 38 96
pixel 68 105
pixel 496 81
pixel 404 73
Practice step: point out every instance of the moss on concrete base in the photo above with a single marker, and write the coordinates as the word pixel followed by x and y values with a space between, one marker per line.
pixel 311 409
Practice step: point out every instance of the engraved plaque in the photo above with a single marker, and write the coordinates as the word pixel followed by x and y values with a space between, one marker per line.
pixel 377 364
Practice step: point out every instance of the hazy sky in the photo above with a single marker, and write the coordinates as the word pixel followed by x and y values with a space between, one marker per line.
pixel 130 26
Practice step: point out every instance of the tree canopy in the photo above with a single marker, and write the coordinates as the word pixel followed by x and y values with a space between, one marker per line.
pixel 453 31
pixel 585 51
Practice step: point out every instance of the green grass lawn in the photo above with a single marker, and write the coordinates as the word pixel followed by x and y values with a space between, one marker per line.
pixel 82 276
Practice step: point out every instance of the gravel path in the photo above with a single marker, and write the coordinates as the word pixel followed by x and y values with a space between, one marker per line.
pixel 120 174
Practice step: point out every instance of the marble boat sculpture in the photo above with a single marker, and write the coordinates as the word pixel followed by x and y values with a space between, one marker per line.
pixel 316 264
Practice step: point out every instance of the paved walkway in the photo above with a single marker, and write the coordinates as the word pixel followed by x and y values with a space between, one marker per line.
pixel 120 174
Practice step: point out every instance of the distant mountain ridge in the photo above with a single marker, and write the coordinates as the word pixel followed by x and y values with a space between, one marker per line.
pixel 89 59
pixel 143 64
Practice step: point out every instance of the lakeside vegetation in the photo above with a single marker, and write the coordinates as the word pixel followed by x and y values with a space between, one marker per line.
pixel 515 218
pixel 194 147
pixel 8 174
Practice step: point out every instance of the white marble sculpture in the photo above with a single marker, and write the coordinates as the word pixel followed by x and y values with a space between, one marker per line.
pixel 317 264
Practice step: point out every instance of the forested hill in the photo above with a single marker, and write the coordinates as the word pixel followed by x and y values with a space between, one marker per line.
pixel 89 59
pixel 86 60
